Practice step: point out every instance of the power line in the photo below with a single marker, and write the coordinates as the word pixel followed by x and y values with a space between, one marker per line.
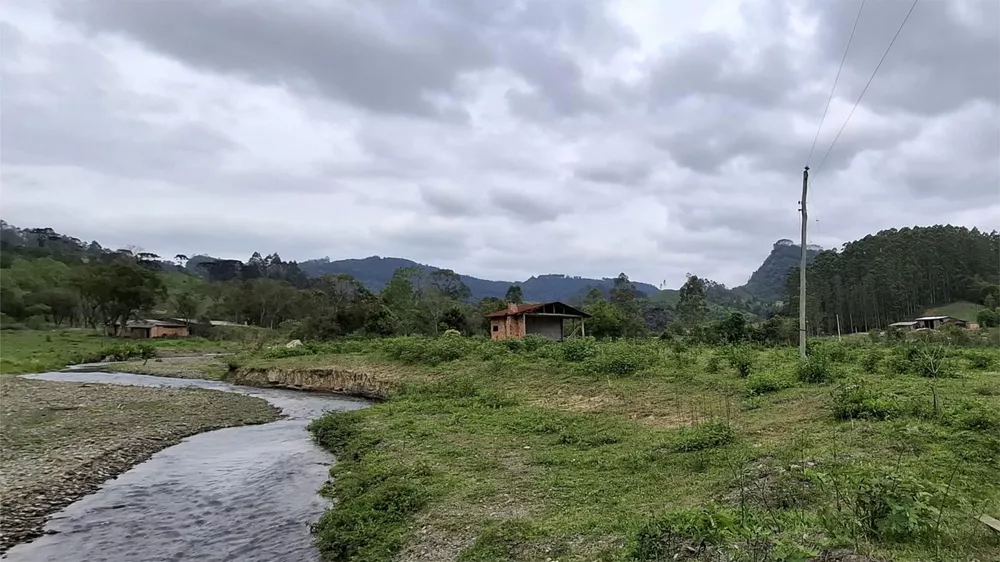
pixel 835 80
pixel 869 83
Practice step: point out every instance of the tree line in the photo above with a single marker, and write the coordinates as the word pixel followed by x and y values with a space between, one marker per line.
pixel 895 275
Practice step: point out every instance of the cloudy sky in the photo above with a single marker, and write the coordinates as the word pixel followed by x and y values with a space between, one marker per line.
pixel 502 139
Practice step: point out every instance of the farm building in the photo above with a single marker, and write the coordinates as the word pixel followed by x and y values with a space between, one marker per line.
pixel 144 329
pixel 929 323
pixel 545 319
pixel 935 322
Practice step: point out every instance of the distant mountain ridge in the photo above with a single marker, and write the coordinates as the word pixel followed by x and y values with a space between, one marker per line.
pixel 767 283
pixel 375 271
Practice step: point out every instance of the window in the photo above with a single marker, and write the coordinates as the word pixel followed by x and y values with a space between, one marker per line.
pixel 496 328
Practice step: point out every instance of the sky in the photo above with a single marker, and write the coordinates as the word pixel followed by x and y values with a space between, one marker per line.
pixel 501 139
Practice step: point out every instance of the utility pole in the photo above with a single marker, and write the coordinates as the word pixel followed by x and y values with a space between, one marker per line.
pixel 802 267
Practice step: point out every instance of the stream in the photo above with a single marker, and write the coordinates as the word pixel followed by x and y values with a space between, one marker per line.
pixel 243 493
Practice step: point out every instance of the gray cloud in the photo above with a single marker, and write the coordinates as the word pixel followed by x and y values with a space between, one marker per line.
pixel 524 207
pixel 616 173
pixel 497 139
pixel 945 56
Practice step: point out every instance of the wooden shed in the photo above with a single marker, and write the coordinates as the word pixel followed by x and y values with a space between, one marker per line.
pixel 545 319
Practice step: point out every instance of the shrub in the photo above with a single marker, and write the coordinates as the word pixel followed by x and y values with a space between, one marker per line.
pixel 451 332
pixel 619 359
pixel 859 400
pixel 672 535
pixel 577 350
pixel 980 361
pixel 705 435
pixel 534 342
pixel 894 507
pixel 762 383
pixel 975 417
pixel 741 358
pixel 870 361
pixel 815 369
pixel 714 364
pixel 430 351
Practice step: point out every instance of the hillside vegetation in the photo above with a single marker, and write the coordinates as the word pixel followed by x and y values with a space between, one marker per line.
pixel 897 274
pixel 767 283
pixel 964 310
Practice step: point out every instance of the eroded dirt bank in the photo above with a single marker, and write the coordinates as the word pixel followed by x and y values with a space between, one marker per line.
pixel 60 441
pixel 337 380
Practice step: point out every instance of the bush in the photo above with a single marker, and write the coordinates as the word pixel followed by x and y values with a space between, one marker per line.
pixel 762 383
pixel 815 369
pixel 895 507
pixel 714 364
pixel 870 361
pixel 859 400
pixel 430 351
pixel 741 358
pixel 705 435
pixel 577 350
pixel 672 535
pixel 980 361
pixel 619 359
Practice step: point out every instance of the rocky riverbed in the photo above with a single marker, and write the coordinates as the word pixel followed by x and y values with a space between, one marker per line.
pixel 59 441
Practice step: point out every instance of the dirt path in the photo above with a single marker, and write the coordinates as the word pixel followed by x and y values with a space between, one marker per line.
pixel 60 441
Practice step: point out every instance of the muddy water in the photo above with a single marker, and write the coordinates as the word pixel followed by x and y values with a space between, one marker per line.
pixel 242 493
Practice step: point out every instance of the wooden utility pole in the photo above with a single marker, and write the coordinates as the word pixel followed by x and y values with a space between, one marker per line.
pixel 802 268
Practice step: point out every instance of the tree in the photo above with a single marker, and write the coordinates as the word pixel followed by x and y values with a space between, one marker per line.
pixel 692 308
pixel 181 260
pixel 625 298
pixel 514 294
pixel 118 289
pixel 188 305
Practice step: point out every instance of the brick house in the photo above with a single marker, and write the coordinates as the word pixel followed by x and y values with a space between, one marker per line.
pixel 144 329
pixel 544 319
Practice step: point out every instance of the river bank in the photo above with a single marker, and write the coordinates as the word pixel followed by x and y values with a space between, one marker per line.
pixel 62 440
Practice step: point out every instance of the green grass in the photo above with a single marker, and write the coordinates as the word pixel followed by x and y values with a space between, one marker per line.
pixel 962 310
pixel 496 452
pixel 34 351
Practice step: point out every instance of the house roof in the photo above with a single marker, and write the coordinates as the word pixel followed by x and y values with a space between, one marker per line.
pixel 538 308
pixel 149 323
pixel 933 318
pixel 903 323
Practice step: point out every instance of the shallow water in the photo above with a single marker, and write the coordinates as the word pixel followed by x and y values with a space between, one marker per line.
pixel 242 493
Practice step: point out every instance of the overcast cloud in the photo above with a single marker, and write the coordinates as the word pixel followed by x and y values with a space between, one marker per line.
pixel 499 139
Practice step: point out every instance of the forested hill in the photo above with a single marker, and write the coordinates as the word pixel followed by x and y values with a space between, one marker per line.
pixel 897 274
pixel 375 272
pixel 767 284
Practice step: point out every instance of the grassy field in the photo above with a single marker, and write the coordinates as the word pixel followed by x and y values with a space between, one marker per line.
pixel 659 451
pixel 35 351
pixel 962 310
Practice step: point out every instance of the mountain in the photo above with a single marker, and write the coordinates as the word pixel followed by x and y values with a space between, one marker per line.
pixel 374 272
pixel 768 282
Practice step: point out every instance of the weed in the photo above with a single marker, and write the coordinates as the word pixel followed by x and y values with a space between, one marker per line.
pixel 705 435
